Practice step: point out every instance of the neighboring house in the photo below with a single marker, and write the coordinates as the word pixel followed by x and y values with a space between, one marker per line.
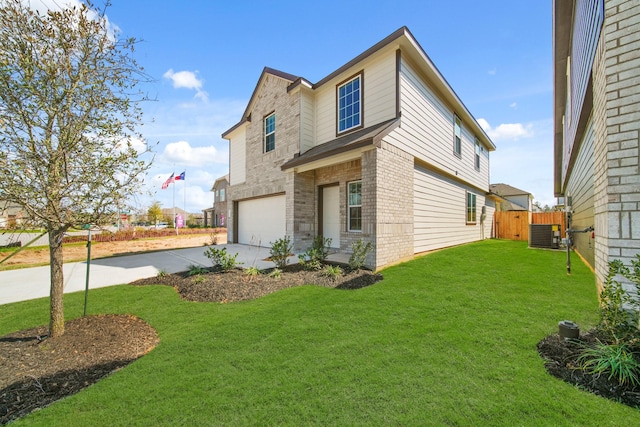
pixel 597 125
pixel 11 216
pixel 382 150
pixel 513 199
pixel 220 201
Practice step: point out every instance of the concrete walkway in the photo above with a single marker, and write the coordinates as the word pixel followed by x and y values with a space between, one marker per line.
pixel 30 283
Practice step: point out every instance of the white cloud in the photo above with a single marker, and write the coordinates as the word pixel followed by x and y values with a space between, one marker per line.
pixel 514 105
pixel 182 153
pixel 187 80
pixel 506 131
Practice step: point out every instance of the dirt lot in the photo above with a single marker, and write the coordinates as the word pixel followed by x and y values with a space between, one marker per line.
pixel 78 252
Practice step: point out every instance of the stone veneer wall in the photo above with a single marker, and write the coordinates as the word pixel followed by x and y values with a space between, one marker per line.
pixel 392 173
pixel 263 174
pixel 616 113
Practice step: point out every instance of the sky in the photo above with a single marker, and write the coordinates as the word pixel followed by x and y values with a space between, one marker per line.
pixel 205 58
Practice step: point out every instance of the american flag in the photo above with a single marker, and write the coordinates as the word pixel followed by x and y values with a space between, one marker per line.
pixel 167 182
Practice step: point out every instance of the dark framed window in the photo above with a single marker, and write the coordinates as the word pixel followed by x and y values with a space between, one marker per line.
pixel 270 132
pixel 354 219
pixel 478 151
pixel 350 104
pixel 471 208
pixel 457 136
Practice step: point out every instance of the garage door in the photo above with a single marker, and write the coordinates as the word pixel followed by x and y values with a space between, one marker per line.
pixel 261 221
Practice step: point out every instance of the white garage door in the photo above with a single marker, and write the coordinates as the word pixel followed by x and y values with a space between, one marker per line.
pixel 261 221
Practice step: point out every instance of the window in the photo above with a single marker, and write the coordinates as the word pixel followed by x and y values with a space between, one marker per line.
pixel 222 195
pixel 270 132
pixel 217 195
pixel 471 208
pixel 350 104
pixel 478 151
pixel 457 141
pixel 355 206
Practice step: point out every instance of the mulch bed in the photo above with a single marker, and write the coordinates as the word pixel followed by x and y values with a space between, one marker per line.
pixel 236 285
pixel 561 361
pixel 36 371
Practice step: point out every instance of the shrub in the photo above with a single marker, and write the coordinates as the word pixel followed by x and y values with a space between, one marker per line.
pixel 252 271
pixel 199 279
pixel 221 258
pixel 162 273
pixel 616 359
pixel 359 253
pixel 196 269
pixel 332 272
pixel 280 252
pixel 313 258
pixel 619 308
pixel 276 273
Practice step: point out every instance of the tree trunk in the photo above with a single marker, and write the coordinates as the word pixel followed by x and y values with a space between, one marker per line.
pixel 56 320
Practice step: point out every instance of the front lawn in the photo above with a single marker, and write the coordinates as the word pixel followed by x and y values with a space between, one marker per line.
pixel 447 339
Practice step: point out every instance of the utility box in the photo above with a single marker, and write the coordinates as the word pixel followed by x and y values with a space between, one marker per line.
pixel 544 236
pixel 568 330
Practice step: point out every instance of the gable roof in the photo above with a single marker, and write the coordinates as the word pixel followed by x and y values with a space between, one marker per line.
pixel 505 190
pixel 246 116
pixel 412 48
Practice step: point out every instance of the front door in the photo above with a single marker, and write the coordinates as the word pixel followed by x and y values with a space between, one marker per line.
pixel 331 214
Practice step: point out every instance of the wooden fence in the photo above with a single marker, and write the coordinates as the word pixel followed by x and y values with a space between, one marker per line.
pixel 514 225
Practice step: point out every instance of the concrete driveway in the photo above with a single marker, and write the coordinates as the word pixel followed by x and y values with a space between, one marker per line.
pixel 30 283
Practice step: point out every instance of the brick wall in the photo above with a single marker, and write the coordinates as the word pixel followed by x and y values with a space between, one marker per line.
pixel 392 173
pixel 263 174
pixel 617 121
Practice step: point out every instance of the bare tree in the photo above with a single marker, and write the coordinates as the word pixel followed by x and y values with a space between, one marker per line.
pixel 69 113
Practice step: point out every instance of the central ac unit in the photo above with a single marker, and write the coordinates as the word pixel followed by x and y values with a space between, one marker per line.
pixel 544 236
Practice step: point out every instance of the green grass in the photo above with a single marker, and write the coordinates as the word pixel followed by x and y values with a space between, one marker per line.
pixel 447 339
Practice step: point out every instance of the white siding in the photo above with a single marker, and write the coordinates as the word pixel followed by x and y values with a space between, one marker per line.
pixel 307 113
pixel 580 189
pixel 440 206
pixel 427 131
pixel 379 95
pixel 237 158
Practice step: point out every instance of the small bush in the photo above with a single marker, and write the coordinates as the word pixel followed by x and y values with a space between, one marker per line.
pixel 162 273
pixel 315 256
pixel 252 271
pixel 333 272
pixel 359 253
pixel 276 273
pixel 280 252
pixel 196 269
pixel 199 279
pixel 615 359
pixel 221 258
pixel 619 313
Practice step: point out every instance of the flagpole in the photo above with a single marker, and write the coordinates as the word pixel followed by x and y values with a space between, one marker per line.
pixel 184 205
pixel 175 222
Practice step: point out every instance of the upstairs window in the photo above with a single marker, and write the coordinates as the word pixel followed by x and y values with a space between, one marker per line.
pixel 457 140
pixel 350 104
pixel 471 208
pixel 478 151
pixel 222 195
pixel 270 132
pixel 355 206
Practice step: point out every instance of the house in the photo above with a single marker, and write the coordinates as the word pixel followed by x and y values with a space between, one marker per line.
pixel 597 126
pixel 512 198
pixel 216 215
pixel 220 201
pixel 11 215
pixel 380 150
